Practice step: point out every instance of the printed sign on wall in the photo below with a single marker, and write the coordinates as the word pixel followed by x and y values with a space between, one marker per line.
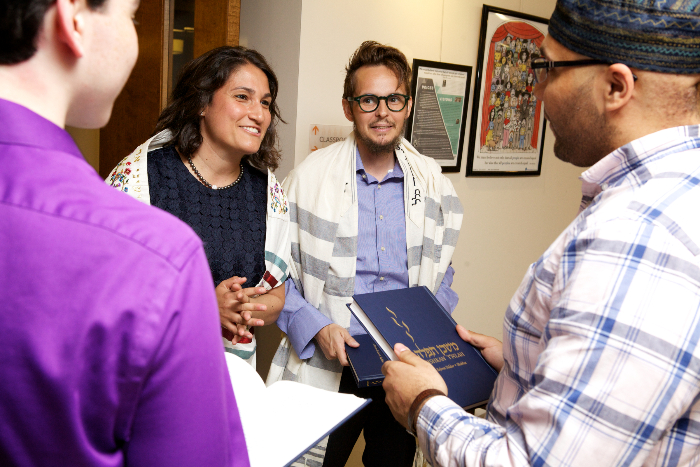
pixel 321 136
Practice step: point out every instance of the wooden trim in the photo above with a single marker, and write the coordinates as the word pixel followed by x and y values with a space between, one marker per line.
pixel 234 22
pixel 216 23
pixel 166 79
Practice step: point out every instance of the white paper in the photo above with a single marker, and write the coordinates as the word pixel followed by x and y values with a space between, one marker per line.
pixel 283 421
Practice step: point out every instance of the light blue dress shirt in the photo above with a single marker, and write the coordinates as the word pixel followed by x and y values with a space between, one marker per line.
pixel 382 263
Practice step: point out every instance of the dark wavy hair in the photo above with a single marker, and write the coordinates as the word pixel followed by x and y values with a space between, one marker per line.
pixel 373 53
pixel 195 88
pixel 20 22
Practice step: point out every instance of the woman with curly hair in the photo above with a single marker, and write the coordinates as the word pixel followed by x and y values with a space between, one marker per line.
pixel 210 163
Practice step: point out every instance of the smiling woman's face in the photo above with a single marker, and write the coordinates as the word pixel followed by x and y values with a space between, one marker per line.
pixel 239 114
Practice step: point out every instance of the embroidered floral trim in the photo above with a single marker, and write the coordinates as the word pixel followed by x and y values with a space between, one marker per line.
pixel 278 202
pixel 119 178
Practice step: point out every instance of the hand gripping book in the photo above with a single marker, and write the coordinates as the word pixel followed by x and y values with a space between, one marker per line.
pixel 286 419
pixel 415 318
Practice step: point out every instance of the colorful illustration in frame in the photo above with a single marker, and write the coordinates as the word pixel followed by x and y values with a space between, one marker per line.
pixel 507 130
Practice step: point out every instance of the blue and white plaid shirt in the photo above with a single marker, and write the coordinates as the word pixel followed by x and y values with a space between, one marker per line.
pixel 602 362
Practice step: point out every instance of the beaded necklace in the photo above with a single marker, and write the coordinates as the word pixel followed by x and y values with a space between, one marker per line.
pixel 209 185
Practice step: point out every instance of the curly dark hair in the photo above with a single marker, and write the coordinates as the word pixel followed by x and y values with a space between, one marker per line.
pixel 20 22
pixel 195 88
pixel 373 53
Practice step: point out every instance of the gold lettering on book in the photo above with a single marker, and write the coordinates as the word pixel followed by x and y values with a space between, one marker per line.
pixel 425 353
pixel 433 361
pixel 451 365
pixel 379 354
pixel 448 348
pixel 448 351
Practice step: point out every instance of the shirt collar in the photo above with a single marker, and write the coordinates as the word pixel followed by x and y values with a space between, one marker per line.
pixel 593 180
pixel 625 159
pixel 395 173
pixel 21 126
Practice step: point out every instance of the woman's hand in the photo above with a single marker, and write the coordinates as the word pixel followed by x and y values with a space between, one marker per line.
pixel 236 308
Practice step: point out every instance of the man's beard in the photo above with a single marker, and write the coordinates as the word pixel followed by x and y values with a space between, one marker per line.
pixel 586 137
pixel 379 148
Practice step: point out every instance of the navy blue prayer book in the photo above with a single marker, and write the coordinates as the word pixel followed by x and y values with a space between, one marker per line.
pixel 416 318
pixel 366 361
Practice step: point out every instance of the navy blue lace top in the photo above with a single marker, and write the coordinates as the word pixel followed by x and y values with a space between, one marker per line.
pixel 230 222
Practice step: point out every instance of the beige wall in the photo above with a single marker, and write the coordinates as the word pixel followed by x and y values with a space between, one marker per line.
pixel 508 221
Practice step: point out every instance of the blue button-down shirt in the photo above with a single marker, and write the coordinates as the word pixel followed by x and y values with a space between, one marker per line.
pixel 382 262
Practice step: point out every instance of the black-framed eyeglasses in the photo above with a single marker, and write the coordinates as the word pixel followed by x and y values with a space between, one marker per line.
pixel 541 66
pixel 370 102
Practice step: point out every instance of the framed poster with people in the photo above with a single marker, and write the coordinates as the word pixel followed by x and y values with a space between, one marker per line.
pixel 507 122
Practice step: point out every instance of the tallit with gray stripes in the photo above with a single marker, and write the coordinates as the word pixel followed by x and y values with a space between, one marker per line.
pixel 322 196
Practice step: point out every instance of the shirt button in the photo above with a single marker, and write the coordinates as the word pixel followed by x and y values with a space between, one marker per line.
pixel 379 187
pixel 381 218
pixel 364 176
pixel 381 278
pixel 382 248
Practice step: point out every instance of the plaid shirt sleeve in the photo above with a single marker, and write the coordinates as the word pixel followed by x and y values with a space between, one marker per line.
pixel 601 348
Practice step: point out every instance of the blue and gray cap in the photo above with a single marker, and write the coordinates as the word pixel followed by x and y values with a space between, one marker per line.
pixel 654 35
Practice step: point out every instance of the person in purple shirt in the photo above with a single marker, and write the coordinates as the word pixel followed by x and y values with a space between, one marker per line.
pixel 109 326
pixel 368 214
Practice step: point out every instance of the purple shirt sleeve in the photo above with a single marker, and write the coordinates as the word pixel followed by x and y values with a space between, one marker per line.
pixel 300 321
pixel 187 413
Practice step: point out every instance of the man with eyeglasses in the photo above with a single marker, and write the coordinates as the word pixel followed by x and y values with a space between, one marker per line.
pixel 600 361
pixel 362 211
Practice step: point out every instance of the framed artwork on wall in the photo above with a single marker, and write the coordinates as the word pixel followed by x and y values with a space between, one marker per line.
pixel 438 120
pixel 507 123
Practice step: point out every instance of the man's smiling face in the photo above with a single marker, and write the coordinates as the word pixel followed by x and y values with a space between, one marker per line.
pixel 381 130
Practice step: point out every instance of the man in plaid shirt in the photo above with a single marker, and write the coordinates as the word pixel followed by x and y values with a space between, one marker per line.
pixel 600 363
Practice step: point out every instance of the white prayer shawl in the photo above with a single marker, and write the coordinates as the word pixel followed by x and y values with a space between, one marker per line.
pixel 131 177
pixel 324 213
